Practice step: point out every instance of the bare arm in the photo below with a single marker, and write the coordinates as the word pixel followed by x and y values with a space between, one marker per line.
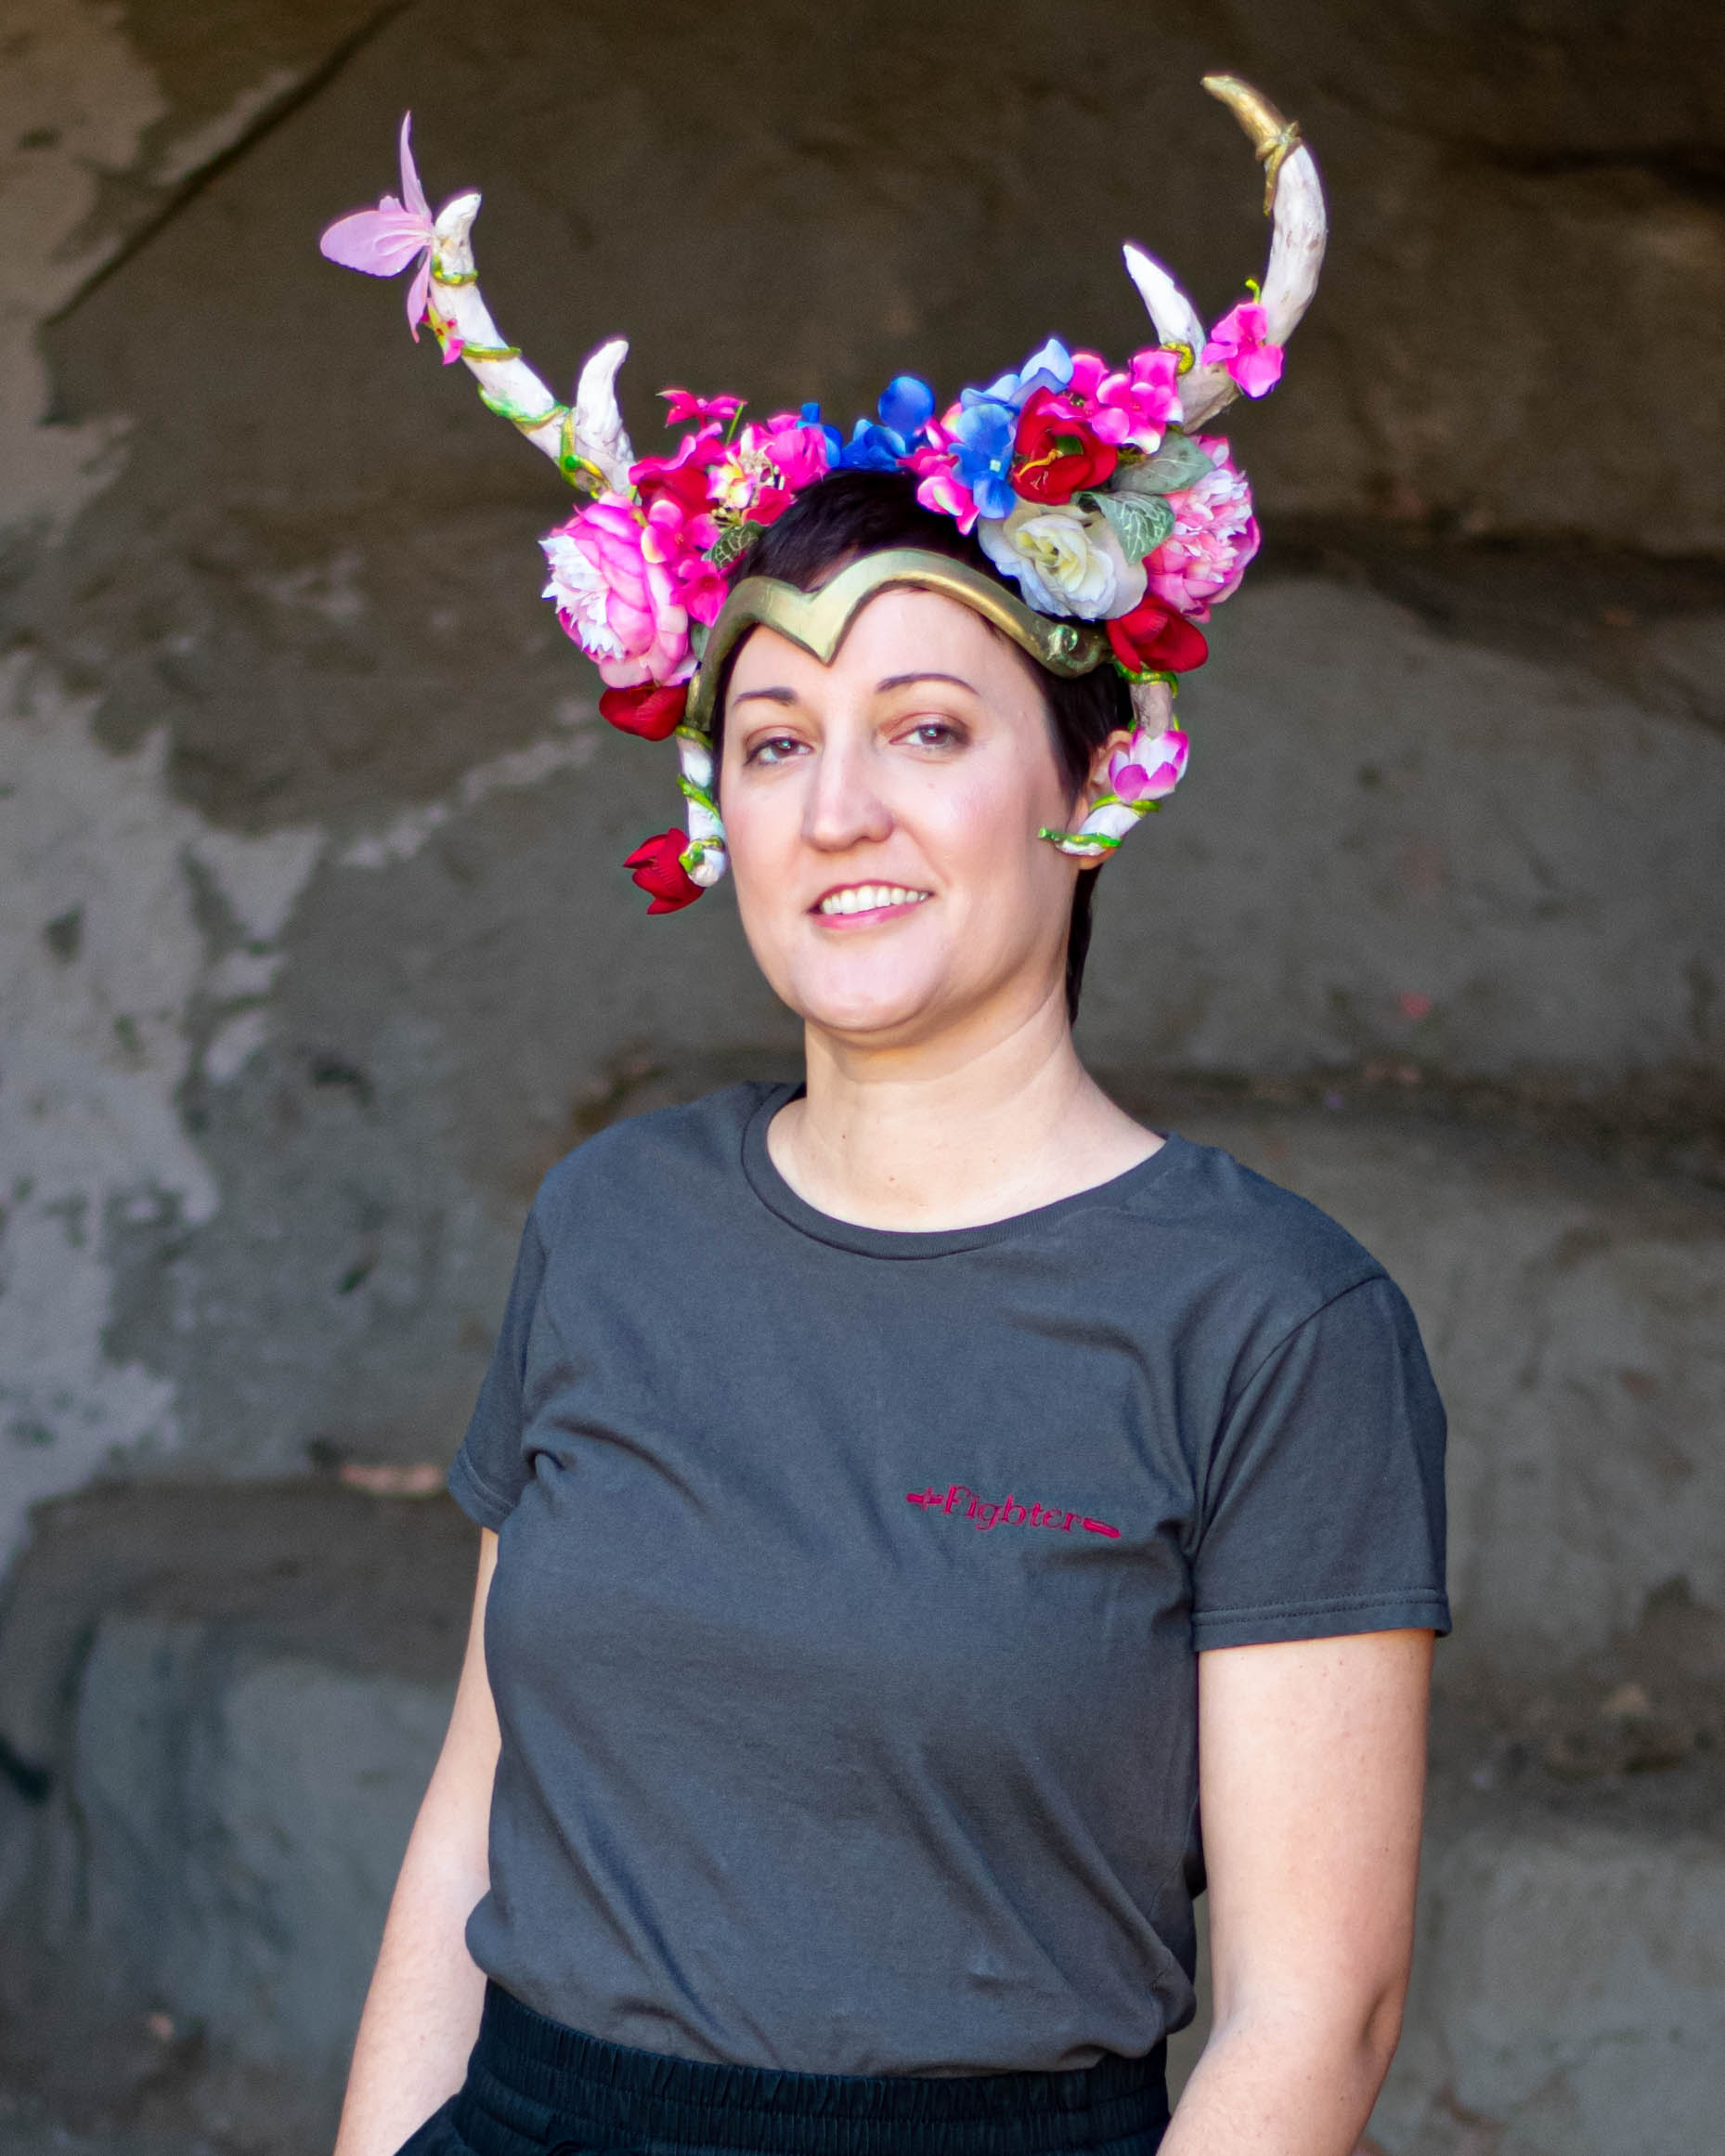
pixel 1311 1779
pixel 421 2012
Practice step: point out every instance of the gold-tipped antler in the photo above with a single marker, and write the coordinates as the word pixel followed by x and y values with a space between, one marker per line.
pixel 1294 197
pixel 1273 139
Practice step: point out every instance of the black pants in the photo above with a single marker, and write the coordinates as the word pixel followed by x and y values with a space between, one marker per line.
pixel 535 2089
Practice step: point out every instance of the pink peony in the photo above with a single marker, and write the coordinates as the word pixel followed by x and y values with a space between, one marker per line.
pixel 627 583
pixel 1214 536
pixel 1240 341
pixel 1150 767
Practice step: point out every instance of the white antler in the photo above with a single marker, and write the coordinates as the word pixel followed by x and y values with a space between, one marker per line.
pixel 1177 320
pixel 1294 198
pixel 587 440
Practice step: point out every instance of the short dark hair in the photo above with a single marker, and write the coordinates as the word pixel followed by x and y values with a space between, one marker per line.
pixel 866 512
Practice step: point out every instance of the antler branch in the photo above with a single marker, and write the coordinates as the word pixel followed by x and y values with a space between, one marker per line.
pixel 1294 197
pixel 587 440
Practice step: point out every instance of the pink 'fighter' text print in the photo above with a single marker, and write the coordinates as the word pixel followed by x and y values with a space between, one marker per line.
pixel 959 1502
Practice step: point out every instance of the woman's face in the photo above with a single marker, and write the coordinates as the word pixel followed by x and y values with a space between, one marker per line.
pixel 882 816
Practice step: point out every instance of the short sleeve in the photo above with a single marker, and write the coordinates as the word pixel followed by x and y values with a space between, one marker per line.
pixel 490 1471
pixel 1322 1510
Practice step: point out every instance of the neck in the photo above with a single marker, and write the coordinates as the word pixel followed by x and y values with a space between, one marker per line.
pixel 996 1120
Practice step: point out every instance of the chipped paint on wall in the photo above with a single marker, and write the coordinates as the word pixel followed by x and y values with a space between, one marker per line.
pixel 131 940
pixel 74 103
pixel 406 833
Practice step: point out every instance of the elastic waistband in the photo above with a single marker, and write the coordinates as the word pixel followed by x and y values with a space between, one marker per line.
pixel 534 2086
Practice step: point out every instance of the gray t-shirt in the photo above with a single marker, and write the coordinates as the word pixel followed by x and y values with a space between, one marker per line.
pixel 845 1624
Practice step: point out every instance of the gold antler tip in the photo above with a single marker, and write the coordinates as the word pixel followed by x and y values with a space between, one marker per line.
pixel 1272 136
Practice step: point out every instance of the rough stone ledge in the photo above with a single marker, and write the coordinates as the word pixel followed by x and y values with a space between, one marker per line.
pixel 237 1694
pixel 233 1697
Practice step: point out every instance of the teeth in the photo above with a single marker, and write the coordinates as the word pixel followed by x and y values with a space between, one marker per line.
pixel 862 898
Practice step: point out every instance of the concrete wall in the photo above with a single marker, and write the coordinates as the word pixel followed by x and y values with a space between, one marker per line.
pixel 316 948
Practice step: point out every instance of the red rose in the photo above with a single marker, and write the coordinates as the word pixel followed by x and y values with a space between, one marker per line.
pixel 650 711
pixel 658 870
pixel 1055 453
pixel 1154 639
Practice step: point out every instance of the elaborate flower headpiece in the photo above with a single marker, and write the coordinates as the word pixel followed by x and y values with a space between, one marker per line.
pixel 1090 488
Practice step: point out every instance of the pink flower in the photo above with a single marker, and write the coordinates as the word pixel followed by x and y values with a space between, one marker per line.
pixel 683 475
pixel 1151 767
pixel 1214 536
pixel 627 582
pixel 798 447
pixel 758 474
pixel 383 242
pixel 1137 406
pixel 1241 342
pixel 685 407
pixel 935 466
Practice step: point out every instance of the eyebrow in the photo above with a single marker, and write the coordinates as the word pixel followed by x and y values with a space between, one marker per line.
pixel 891 682
pixel 923 674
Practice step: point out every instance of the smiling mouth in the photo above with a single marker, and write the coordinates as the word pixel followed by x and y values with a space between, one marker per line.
pixel 870 897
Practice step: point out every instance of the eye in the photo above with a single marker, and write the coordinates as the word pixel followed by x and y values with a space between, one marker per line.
pixel 935 734
pixel 775 749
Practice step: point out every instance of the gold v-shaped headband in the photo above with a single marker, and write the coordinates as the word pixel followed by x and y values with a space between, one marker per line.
pixel 818 621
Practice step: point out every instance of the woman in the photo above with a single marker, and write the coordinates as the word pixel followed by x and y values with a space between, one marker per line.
pixel 873 1602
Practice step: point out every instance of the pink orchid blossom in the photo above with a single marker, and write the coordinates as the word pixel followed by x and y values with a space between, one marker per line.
pixel 1241 342
pixel 684 406
pixel 1202 560
pixel 383 242
pixel 627 584
pixel 1150 766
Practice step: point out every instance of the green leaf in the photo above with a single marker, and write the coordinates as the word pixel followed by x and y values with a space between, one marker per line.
pixel 1141 522
pixel 1179 462
pixel 733 540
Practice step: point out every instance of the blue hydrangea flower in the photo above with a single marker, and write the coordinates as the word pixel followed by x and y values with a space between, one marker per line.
pixel 906 406
pixel 871 449
pixel 1049 369
pixel 983 454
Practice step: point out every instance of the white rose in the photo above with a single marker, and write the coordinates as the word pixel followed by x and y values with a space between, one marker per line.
pixel 1066 560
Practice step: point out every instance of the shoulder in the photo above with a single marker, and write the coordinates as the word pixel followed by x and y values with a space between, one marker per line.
pixel 1276 1252
pixel 667 1155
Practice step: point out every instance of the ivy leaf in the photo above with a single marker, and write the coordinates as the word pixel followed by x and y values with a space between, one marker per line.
pixel 1179 462
pixel 1141 522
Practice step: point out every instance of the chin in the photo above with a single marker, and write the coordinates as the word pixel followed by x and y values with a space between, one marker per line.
pixel 865 1008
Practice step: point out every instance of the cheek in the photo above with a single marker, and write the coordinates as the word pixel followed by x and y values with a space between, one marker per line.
pixel 763 833
pixel 986 818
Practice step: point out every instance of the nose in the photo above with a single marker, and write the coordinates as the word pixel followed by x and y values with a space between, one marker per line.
pixel 844 806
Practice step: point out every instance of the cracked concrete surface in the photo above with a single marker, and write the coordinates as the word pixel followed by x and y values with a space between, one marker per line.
pixel 315 946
